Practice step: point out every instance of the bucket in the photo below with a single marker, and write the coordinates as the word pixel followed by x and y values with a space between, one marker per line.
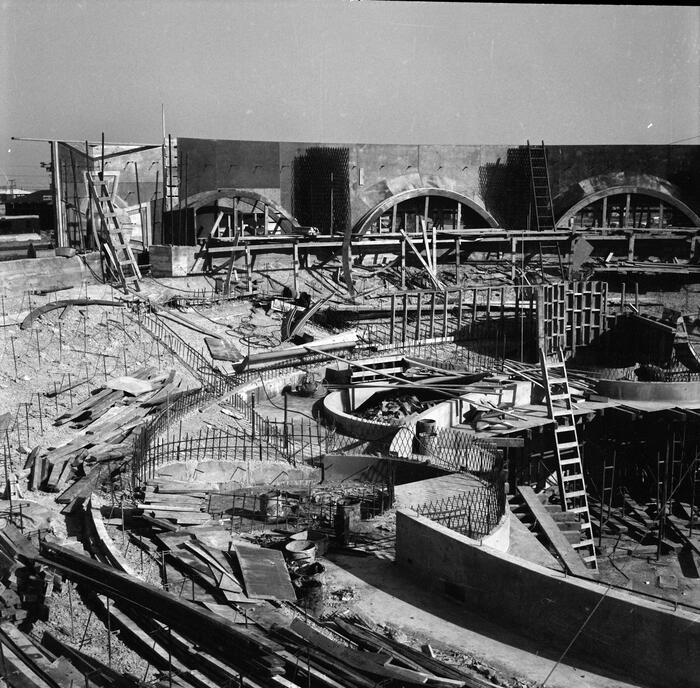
pixel 426 437
pixel 312 594
pixel 317 537
pixel 426 426
pixel 312 572
pixel 300 552
pixel 347 517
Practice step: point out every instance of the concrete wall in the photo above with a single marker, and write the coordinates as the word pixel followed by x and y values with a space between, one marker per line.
pixel 18 276
pixel 495 176
pixel 627 633
pixel 123 160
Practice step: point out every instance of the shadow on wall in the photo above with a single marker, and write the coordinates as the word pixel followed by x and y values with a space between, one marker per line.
pixel 321 188
pixel 505 188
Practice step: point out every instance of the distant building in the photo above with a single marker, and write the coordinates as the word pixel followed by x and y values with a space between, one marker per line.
pixel 38 203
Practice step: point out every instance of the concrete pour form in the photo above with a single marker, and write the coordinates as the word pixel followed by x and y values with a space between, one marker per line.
pixel 682 392
pixel 647 639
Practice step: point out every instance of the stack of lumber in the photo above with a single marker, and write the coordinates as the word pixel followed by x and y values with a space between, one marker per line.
pixel 106 420
pixel 180 507
pixel 272 646
pixel 28 664
pixel 23 584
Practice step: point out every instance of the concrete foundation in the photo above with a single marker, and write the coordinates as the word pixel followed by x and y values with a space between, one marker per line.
pixel 647 639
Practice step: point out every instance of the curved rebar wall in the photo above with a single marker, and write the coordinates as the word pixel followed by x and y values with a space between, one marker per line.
pixel 238 390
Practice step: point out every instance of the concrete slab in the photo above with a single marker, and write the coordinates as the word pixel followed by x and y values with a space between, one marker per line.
pixel 434 489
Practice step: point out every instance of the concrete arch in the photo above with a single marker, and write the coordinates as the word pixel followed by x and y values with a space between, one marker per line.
pixel 375 213
pixel 206 198
pixel 363 224
pixel 596 188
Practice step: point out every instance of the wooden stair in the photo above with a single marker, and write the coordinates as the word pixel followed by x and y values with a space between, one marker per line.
pixel 111 236
pixel 572 486
pixel 556 529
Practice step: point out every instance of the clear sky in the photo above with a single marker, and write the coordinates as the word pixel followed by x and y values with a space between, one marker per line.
pixel 334 70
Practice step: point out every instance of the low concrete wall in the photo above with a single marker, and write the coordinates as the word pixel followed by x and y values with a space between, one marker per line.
pixel 334 409
pixel 171 261
pixel 627 633
pixel 649 391
pixel 49 272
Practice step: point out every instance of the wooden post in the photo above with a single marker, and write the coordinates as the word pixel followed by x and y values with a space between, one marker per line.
pixel 404 318
pixel 627 210
pixel 604 218
pixel 433 304
pixel 623 297
pixel 458 257
pixel 419 306
pixel 446 300
pixel 403 262
pixel 460 307
pixel 541 334
pixel 392 322
pixel 249 272
pixel 295 265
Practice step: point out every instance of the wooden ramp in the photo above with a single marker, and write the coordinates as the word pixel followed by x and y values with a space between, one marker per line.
pixel 549 528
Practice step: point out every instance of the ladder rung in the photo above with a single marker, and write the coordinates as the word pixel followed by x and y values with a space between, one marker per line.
pixel 591 559
pixel 561 429
pixel 564 446
pixel 557 397
pixel 577 510
pixel 583 543
pixel 569 462
pixel 573 476
pixel 557 380
pixel 573 495
pixel 559 412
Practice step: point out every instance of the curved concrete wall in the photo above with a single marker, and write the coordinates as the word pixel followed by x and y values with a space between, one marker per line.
pixel 336 407
pixel 647 639
pixel 649 391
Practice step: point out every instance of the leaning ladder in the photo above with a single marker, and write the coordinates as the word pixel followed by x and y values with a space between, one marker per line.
pixel 542 197
pixel 572 486
pixel 112 240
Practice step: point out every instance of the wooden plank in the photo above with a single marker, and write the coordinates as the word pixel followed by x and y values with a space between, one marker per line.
pixel 573 563
pixel 265 574
pixel 130 385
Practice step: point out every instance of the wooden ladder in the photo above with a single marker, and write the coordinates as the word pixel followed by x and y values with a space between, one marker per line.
pixel 542 198
pixel 111 237
pixel 572 486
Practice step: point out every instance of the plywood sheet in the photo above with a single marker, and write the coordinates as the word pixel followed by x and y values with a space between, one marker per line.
pixel 222 350
pixel 264 573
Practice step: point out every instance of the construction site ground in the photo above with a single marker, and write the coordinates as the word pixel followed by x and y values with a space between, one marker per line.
pixel 99 342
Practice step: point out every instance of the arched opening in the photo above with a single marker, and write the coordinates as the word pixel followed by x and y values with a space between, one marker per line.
pixel 410 210
pixel 227 214
pixel 630 208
